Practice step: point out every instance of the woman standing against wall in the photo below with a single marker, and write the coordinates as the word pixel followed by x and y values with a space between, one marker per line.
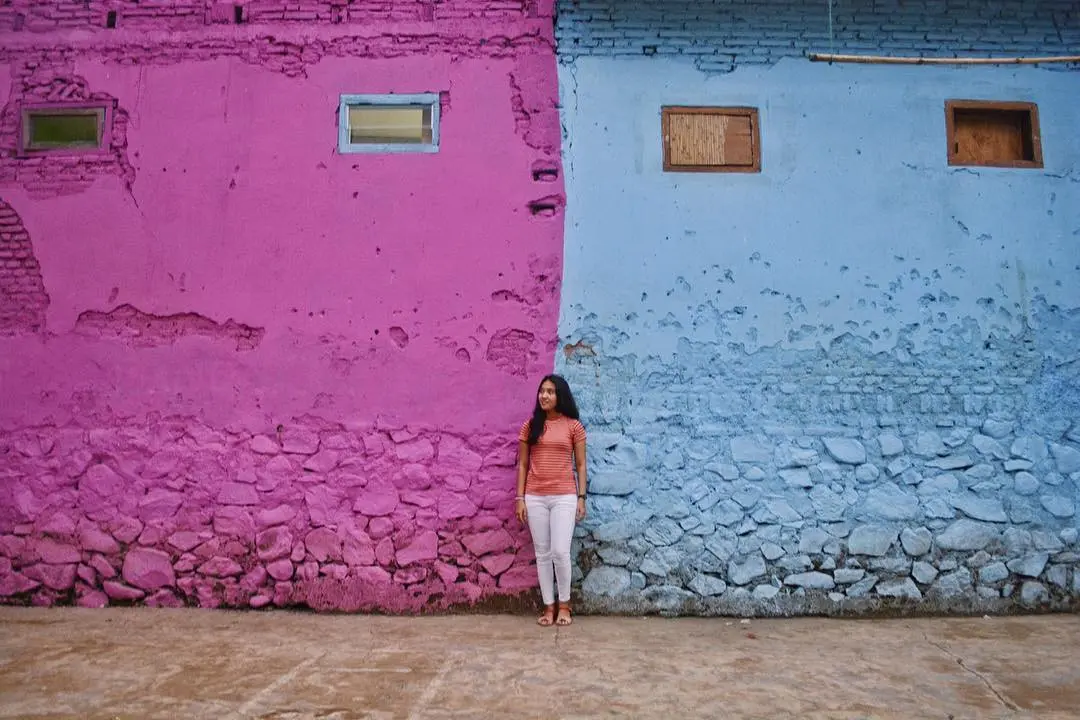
pixel 549 497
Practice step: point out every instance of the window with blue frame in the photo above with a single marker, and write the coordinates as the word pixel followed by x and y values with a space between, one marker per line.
pixel 388 123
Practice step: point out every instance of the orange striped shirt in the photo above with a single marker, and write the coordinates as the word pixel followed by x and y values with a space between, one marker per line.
pixel 551 467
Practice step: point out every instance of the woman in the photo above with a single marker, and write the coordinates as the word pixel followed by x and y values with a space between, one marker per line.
pixel 551 444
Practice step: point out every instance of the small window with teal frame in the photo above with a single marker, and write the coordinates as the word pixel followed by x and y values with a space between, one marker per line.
pixel 389 123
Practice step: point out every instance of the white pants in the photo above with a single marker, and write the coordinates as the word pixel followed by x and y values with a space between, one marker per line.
pixel 551 523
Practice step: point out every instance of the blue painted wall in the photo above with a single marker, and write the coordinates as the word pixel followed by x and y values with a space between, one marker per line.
pixel 849 381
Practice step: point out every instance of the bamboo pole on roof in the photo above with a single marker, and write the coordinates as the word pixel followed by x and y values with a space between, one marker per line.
pixel 893 60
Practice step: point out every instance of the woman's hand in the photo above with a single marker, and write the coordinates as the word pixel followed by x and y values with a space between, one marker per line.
pixel 580 509
pixel 521 512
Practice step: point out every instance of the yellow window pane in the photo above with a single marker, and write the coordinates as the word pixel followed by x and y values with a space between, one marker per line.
pixel 389 124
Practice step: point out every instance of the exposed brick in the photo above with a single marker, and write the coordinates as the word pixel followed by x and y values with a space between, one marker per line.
pixel 23 299
pixel 757 32
pixel 38 16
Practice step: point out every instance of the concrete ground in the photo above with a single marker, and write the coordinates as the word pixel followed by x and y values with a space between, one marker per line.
pixel 155 663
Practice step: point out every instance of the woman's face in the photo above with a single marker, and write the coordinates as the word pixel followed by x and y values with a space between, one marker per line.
pixel 547 396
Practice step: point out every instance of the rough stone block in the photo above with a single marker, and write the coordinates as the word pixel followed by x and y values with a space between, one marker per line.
pixel 917 541
pixel 1030 565
pixel 607 582
pixel 890 444
pixel 871 539
pixel 742 573
pixel 1033 594
pixel 148 569
pixel 846 576
pixel 888 502
pixel 811 580
pixel 707 585
pixel 845 450
pixel 1058 505
pixel 903 588
pixel 967 534
pixel 986 509
pixel 924 572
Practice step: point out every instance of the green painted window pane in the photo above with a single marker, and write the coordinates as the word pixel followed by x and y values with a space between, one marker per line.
pixel 64 130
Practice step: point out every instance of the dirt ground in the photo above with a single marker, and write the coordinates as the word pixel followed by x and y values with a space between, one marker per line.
pixel 153 663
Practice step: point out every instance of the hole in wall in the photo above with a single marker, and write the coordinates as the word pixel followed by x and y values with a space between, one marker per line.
pixel 110 20
pixel 545 174
pixel 238 14
pixel 546 207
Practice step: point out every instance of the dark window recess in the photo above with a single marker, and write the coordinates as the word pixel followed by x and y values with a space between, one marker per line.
pixel 994 134
pixel 76 129
pixel 110 19
pixel 238 14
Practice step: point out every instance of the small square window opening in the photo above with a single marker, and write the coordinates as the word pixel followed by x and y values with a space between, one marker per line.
pixel 389 123
pixel 711 139
pixel 63 129
pixel 993 134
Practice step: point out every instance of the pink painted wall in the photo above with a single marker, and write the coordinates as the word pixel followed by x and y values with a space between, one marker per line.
pixel 270 373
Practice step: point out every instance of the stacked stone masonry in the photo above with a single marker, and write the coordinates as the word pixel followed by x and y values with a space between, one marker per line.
pixel 839 482
pixel 717 34
pixel 177 513
pixel 968 519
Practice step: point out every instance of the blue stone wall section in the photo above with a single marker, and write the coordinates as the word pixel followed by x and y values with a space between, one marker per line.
pixel 846 384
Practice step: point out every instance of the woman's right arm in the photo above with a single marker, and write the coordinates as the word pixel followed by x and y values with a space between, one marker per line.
pixel 522 473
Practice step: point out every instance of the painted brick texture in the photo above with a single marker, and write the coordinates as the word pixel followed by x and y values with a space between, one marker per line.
pixel 51 15
pixel 723 31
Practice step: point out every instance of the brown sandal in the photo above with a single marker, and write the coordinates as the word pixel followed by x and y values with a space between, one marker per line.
pixel 564 617
pixel 548 618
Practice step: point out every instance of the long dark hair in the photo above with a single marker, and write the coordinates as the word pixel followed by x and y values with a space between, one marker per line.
pixel 564 405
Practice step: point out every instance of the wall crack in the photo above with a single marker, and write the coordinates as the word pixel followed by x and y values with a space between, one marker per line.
pixel 960 661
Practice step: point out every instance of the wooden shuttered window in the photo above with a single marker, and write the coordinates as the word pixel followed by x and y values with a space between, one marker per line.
pixel 995 134
pixel 711 139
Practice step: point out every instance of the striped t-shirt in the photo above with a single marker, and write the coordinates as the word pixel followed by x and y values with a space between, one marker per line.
pixel 551 467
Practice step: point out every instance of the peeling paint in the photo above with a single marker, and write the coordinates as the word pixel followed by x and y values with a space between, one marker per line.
pixel 23 300
pixel 139 329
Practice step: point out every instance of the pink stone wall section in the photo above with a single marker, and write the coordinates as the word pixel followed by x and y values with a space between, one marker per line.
pixel 271 374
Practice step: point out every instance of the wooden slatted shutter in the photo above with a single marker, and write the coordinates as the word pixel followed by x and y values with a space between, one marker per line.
pixel 710 139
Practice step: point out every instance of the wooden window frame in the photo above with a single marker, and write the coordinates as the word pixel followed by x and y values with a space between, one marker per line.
pixel 347 147
pixel 102 110
pixel 1032 109
pixel 735 111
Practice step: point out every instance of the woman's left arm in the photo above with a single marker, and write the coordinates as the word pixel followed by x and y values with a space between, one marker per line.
pixel 582 477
